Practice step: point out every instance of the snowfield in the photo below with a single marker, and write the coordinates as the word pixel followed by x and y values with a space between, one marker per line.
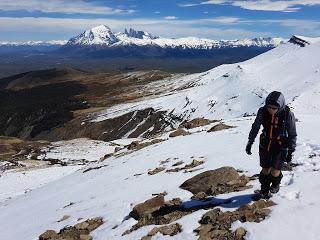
pixel 229 92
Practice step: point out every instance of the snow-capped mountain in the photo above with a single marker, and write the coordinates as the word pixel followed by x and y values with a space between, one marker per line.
pixel 138 34
pixel 100 35
pixel 103 36
pixel 111 188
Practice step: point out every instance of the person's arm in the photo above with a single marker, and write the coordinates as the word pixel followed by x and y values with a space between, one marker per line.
pixel 254 131
pixel 256 126
pixel 292 133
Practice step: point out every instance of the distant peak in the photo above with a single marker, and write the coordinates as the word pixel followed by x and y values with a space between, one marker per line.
pixel 138 34
pixel 101 28
pixel 99 35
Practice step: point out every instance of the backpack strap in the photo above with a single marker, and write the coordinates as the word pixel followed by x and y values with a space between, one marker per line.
pixel 286 112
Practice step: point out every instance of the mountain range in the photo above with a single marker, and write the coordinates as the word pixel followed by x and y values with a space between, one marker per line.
pixel 100 50
pixel 103 36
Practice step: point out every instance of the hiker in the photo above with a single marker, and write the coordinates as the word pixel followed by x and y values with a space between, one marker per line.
pixel 277 141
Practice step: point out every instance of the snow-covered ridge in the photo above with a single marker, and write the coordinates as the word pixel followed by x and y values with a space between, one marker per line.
pixel 235 90
pixel 102 35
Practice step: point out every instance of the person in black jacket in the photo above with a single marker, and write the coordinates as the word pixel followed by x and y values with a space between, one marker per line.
pixel 277 140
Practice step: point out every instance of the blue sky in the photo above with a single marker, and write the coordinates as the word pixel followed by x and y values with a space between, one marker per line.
pixel 23 20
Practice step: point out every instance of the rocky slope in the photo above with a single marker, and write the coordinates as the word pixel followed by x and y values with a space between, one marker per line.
pixel 54 104
pixel 194 183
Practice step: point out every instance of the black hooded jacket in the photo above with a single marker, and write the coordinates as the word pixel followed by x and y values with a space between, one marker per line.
pixel 279 130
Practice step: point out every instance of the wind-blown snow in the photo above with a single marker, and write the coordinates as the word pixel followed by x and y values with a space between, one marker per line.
pixel 226 92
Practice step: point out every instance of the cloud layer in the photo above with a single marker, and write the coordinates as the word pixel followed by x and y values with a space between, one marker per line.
pixel 214 28
pixel 60 6
pixel 261 5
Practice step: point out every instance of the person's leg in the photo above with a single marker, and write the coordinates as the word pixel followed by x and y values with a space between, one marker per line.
pixel 264 179
pixel 276 176
pixel 264 176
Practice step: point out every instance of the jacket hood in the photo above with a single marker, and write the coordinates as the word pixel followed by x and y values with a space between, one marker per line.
pixel 277 99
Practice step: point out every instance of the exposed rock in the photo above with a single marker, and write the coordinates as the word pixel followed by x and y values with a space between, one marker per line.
pixel 94 168
pixel 136 145
pixel 160 194
pixel 171 230
pixel 80 231
pixel 117 149
pixel 177 164
pixel 146 208
pixel 219 127
pixel 240 233
pixel 85 237
pixel 155 211
pixel 65 217
pixel 199 196
pixel 165 161
pixel 216 224
pixel 218 181
pixel 197 122
pixel 179 132
pixel 193 164
pixel 49 234
pixel 156 170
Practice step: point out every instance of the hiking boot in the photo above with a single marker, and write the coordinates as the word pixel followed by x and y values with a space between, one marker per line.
pixel 261 195
pixel 275 189
pixel 265 181
pixel 275 183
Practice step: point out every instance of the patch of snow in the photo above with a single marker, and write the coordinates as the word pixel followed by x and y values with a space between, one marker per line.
pixel 81 149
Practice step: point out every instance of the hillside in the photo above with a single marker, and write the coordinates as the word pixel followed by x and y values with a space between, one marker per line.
pixel 120 174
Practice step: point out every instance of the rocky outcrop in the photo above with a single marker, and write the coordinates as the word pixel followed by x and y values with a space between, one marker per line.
pixel 179 132
pixel 170 230
pixel 219 127
pixel 197 122
pixel 192 165
pixel 216 224
pixel 146 208
pixel 158 212
pixel 136 145
pixel 156 170
pixel 218 181
pixel 80 231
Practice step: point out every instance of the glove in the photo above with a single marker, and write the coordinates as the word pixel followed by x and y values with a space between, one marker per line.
pixel 248 147
pixel 289 156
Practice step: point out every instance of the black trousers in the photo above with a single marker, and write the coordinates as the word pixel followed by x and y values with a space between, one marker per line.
pixel 271 159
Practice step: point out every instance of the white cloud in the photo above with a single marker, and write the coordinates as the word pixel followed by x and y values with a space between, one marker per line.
pixel 262 5
pixel 165 28
pixel 214 28
pixel 60 6
pixel 188 4
pixel 170 18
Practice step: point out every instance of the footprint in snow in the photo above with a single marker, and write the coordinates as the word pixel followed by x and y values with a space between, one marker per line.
pixel 292 195
pixel 288 179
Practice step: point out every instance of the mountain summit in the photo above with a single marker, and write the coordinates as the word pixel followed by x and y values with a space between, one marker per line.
pixel 138 34
pixel 100 35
